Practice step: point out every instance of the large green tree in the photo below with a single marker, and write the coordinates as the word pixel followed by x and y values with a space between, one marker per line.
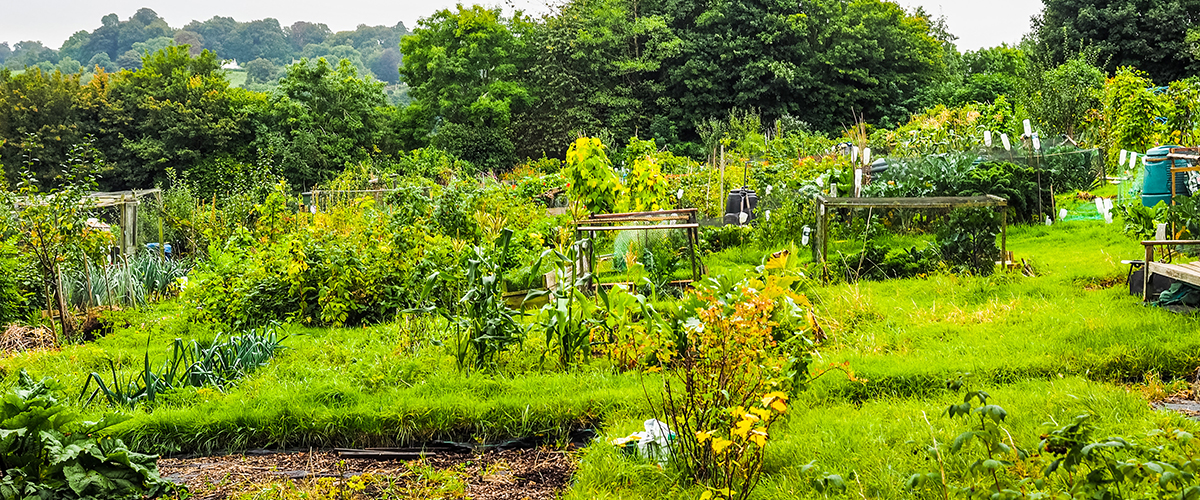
pixel 461 67
pixel 43 115
pixel 320 118
pixel 818 60
pixel 1150 35
pixel 1060 98
pixel 176 111
pixel 594 68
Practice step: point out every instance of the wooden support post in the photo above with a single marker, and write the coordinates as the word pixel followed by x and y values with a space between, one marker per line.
pixel 1004 237
pixel 129 226
pixel 1146 273
pixel 822 244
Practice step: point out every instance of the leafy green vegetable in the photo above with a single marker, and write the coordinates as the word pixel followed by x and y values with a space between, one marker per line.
pixel 46 452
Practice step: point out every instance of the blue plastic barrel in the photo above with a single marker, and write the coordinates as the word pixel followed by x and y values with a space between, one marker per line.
pixel 1158 173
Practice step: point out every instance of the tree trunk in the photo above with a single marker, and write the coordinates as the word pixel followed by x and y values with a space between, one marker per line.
pixel 68 326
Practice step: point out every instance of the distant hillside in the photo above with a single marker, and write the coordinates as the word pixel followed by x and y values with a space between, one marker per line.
pixel 261 47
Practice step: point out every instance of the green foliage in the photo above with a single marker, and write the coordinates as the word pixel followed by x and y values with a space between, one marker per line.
pixel 1123 33
pixel 46 115
pixel 569 317
pixel 177 111
pixel 1130 112
pixel 130 282
pixel 645 187
pixel 219 364
pixel 1183 120
pixel 484 326
pixel 46 452
pixel 322 117
pixel 591 179
pixel 324 268
pixel 1060 99
pixel 13 301
pixel 735 345
pixel 807 61
pixel 968 240
pixel 460 66
pixel 51 226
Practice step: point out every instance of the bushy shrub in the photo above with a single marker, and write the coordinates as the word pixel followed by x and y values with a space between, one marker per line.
pixel 350 265
pixel 12 301
pixel 968 240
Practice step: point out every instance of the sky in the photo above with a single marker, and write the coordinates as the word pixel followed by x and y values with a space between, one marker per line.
pixel 977 23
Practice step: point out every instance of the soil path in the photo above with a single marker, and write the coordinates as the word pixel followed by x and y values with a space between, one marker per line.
pixel 533 474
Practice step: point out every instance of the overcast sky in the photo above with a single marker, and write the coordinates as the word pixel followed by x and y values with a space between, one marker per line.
pixel 977 23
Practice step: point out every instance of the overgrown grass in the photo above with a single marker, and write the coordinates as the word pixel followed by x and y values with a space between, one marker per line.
pixel 877 445
pixel 1047 347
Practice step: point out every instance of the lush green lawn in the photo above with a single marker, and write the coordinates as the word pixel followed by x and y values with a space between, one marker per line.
pixel 1067 341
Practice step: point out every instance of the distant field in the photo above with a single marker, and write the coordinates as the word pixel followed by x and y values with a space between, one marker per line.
pixel 236 77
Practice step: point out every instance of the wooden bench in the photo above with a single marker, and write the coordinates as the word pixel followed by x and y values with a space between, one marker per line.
pixel 1187 273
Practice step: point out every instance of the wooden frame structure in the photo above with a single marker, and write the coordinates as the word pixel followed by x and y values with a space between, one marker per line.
pixel 1190 154
pixel 821 246
pixel 1187 273
pixel 685 218
pixel 128 202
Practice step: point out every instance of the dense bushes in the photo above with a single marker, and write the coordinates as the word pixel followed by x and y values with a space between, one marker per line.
pixel 358 261
pixel 12 300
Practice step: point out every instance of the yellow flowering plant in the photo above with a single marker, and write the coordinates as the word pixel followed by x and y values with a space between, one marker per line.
pixel 726 381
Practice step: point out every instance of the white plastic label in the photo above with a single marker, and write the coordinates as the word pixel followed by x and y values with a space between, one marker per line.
pixel 866 156
pixel 1004 139
pixel 1028 129
pixel 1062 213
pixel 854 153
pixel 1123 155
pixel 858 177
pixel 987 138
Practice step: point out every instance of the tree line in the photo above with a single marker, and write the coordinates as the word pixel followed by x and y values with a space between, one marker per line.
pixel 494 89
pixel 262 46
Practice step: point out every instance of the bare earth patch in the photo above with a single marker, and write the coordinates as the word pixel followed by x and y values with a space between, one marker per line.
pixel 533 474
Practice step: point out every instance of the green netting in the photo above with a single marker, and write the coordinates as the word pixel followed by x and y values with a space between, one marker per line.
pixel 1083 211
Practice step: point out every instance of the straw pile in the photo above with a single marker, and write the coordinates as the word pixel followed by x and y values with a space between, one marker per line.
pixel 17 338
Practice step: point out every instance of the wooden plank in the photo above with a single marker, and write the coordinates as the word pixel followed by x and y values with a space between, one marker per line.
pixel 933 202
pixel 1169 242
pixel 630 283
pixel 636 228
pixel 635 214
pixel 1174 271
pixel 615 220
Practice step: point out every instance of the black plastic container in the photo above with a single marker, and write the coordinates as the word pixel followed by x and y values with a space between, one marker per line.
pixel 740 200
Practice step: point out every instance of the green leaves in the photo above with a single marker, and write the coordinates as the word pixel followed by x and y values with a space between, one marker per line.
pixel 46 453
pixel 218 365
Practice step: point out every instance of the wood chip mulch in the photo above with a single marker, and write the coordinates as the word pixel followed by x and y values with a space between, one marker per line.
pixel 519 474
